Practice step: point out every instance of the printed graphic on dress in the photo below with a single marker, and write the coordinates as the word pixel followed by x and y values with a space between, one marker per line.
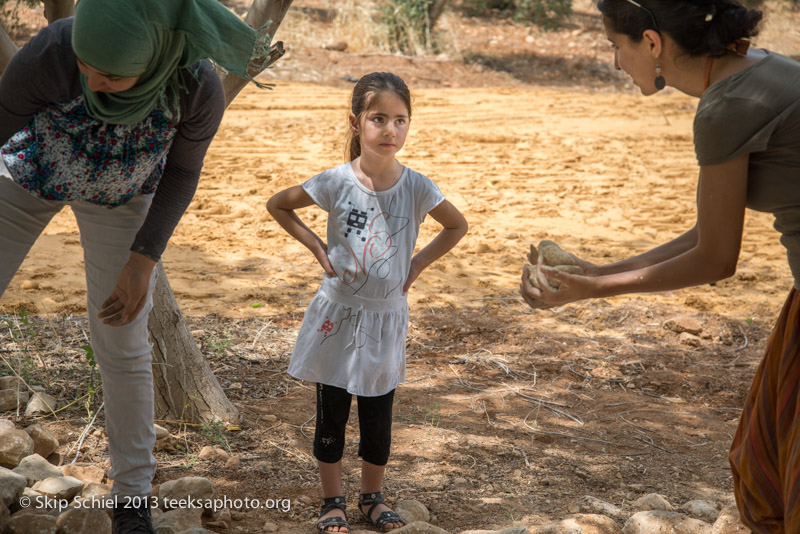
pixel 348 324
pixel 326 327
pixel 375 248
pixel 357 220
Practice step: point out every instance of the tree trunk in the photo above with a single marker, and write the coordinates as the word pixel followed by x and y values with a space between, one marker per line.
pixel 260 12
pixel 58 9
pixel 435 12
pixel 7 49
pixel 185 387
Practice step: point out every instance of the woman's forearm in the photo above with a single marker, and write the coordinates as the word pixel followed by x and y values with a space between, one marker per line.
pixel 663 253
pixel 691 268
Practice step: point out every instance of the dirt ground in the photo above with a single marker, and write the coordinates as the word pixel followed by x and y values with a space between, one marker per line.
pixel 509 416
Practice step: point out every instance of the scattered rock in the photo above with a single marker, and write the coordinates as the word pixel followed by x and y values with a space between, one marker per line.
pixel 700 509
pixel 59 487
pixel 35 468
pixel 11 486
pixel 683 324
pixel 412 511
pixel 10 399
pixel 87 473
pixel 44 443
pixel 269 527
pixel 510 530
pixel 95 489
pixel 233 462
pixel 652 501
pixel 12 382
pixel 579 524
pixel 690 339
pixel 31 524
pixel 729 522
pixel 338 46
pixel 663 522
pixel 40 404
pixel 14 446
pixel 213 453
pixel 6 423
pixel 161 432
pixel 420 527
pixel 55 458
pixel 179 519
pixel 171 493
pixel 217 524
pixel 224 515
pixel 592 505
pixel 29 285
pixel 84 521
pixel 4 515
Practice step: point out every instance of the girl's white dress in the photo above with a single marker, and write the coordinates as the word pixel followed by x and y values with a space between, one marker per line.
pixel 354 331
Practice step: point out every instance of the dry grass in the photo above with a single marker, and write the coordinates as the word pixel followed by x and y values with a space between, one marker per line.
pixel 356 22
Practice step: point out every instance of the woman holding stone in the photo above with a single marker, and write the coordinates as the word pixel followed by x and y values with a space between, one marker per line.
pixel 747 141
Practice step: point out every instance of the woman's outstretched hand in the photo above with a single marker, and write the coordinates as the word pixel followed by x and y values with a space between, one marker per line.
pixel 573 287
pixel 130 293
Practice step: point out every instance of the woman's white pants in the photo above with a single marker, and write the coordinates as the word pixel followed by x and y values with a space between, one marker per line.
pixel 123 353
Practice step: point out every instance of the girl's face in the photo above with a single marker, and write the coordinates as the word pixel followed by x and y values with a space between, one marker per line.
pixel 383 126
pixel 101 82
pixel 636 59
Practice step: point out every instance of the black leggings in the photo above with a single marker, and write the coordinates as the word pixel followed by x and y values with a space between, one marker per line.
pixel 374 421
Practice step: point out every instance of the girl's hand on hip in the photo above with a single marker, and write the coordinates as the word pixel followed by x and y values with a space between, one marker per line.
pixel 413 273
pixel 322 258
pixel 130 293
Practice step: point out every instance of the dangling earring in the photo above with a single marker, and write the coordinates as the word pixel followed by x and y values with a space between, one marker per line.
pixel 660 82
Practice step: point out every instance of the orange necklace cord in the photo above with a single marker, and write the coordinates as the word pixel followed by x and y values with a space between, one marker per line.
pixel 739 47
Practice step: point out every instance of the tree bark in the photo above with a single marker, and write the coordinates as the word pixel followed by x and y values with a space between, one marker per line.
pixel 7 49
pixel 185 387
pixel 260 12
pixel 436 10
pixel 58 9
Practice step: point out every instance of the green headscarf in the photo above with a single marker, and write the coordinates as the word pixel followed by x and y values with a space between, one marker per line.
pixel 152 39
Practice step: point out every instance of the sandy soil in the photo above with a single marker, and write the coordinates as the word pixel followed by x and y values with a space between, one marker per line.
pixel 606 176
pixel 621 406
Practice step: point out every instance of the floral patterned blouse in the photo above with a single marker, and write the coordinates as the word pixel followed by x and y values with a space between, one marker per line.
pixel 64 154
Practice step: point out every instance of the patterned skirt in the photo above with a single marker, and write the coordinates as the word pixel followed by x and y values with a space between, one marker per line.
pixel 765 454
pixel 351 342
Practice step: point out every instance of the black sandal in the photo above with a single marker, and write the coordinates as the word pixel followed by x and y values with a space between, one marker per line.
pixel 332 503
pixel 388 516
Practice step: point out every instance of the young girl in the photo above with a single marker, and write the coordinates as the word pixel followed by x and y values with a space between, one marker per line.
pixel 352 341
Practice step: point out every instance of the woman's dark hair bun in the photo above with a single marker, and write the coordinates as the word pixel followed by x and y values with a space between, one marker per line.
pixel 700 27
